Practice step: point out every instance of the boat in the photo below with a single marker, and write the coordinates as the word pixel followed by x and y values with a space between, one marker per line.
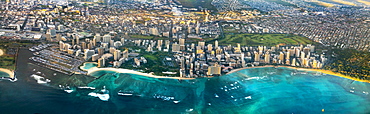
pixel 176 102
pixel 189 110
pixel 68 90
pixel 40 79
pixel 104 94
pixel 125 93
pixel 86 87
pixel 248 97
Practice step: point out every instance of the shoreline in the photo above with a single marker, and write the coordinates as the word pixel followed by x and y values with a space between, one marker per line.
pixel 331 73
pixel 9 72
pixel 94 69
pixel 306 69
pixel 118 70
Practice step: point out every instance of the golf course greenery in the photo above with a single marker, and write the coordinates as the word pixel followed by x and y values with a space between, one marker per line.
pixel 195 3
pixel 263 39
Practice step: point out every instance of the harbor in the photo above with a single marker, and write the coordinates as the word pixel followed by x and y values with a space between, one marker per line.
pixel 48 57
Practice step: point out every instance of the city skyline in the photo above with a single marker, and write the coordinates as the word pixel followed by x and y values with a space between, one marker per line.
pixel 185 56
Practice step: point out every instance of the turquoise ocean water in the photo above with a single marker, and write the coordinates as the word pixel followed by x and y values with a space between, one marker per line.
pixel 255 90
pixel 4 74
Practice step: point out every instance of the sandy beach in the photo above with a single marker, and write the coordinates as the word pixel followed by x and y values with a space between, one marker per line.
pixel 118 70
pixel 306 69
pixel 11 73
pixel 94 69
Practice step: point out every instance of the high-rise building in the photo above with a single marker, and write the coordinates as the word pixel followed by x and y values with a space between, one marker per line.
pixel 107 38
pixel 66 46
pixel 260 48
pixel 117 55
pixel 306 50
pixel 297 52
pixel 175 47
pixel 61 46
pixel 105 46
pixel 216 44
pixel 137 61
pixel 101 62
pixel 101 51
pixel 182 43
pixel 287 62
pixel 312 48
pixel 302 55
pixel 90 46
pixel 112 50
pixel 201 44
pixel 97 38
pixel 256 57
pixel 267 57
pixel 214 70
pixel 111 43
pixel 88 54
pixel 281 57
pixel 95 57
pixel 314 64
pixel 83 45
pixel 77 38
pixel 237 49
pixel 125 54
pixel 293 62
pixel 73 41
pixel 58 37
pixel 149 48
pixel 123 41
pixel 306 62
pixel 159 44
pixel 287 55
pixel 209 47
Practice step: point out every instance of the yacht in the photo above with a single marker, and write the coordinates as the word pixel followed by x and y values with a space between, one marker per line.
pixel 125 93
pixel 68 89
pixel 176 102
pixel 216 95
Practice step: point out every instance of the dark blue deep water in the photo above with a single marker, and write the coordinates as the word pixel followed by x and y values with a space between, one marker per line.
pixel 256 90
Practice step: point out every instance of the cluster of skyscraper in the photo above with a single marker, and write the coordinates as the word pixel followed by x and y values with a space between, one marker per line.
pixel 196 60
